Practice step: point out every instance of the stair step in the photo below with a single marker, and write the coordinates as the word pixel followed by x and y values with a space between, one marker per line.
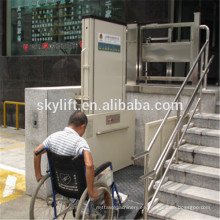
pixel 203 136
pixel 203 200
pixel 206 120
pixel 163 211
pixel 195 175
pixel 202 155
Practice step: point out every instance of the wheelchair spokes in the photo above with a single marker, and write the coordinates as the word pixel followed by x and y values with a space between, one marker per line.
pixel 94 209
pixel 42 206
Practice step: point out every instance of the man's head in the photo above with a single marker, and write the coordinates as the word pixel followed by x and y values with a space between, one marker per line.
pixel 78 121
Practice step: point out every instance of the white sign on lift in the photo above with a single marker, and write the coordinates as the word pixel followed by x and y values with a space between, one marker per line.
pixel 108 42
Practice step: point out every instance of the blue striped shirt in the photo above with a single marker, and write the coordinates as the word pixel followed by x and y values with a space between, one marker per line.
pixel 67 142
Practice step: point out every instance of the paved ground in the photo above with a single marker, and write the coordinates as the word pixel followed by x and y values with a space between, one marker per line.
pixel 12 174
pixel 14 204
pixel 127 183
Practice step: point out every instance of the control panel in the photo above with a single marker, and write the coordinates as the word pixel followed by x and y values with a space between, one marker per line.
pixel 112 119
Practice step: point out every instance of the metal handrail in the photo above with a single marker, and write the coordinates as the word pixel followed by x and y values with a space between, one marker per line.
pixel 170 25
pixel 207 51
pixel 137 156
pixel 167 148
pixel 179 124
pixel 204 68
pixel 17 111
pixel 172 158
pixel 176 129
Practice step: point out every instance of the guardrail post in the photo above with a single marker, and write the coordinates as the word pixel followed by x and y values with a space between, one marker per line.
pixel 4 110
pixel 178 134
pixel 146 170
pixel 203 85
pixel 17 117
pixel 17 112
pixel 206 51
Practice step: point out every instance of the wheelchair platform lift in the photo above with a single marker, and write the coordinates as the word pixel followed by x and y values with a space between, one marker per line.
pixel 110 132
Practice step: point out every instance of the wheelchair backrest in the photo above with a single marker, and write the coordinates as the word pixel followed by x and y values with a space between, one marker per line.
pixel 68 174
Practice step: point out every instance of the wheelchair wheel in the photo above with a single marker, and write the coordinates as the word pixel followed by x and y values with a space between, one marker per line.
pixel 98 211
pixel 42 205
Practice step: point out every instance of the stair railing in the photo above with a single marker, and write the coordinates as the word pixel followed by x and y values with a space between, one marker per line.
pixel 174 141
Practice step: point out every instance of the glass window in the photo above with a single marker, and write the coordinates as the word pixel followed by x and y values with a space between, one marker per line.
pixel 53 27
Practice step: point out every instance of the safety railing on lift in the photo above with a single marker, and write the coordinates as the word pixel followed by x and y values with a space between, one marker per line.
pixel 175 140
pixel 17 111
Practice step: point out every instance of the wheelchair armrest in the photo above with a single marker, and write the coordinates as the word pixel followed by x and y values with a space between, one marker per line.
pixel 102 167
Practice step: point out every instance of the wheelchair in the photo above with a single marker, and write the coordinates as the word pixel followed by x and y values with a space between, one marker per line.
pixel 63 190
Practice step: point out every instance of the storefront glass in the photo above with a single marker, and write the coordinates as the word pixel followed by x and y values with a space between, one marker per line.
pixel 53 27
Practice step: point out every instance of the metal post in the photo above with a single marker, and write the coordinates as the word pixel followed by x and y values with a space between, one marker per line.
pixel 4 109
pixel 178 134
pixel 195 38
pixel 17 117
pixel 17 111
pixel 146 170
pixel 206 52
pixel 140 54
pixel 203 84
pixel 215 17
pixel 179 20
pixel 170 30
pixel 138 57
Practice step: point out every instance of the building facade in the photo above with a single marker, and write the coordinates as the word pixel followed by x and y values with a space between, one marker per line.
pixel 40 39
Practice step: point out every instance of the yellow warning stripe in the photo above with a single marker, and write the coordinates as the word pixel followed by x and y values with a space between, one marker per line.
pixel 5 132
pixel 10 148
pixel 19 187
pixel 11 141
pixel 6 135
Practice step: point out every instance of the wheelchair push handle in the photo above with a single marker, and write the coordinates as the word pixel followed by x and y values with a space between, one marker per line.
pixel 40 151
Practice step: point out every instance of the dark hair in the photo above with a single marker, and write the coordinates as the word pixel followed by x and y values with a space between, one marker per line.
pixel 78 118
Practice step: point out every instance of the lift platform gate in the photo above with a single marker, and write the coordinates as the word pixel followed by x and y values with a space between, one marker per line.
pixel 110 132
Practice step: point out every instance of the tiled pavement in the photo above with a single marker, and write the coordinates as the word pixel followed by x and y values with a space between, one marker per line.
pixel 12 148
pixel 12 173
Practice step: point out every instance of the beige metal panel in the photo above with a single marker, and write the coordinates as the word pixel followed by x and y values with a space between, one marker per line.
pixel 150 130
pixel 109 67
pixel 103 72
pixel 166 52
pixel 111 142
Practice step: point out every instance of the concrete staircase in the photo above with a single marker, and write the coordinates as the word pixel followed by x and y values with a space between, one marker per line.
pixel 192 189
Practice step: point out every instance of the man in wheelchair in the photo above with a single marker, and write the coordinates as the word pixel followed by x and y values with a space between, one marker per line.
pixel 63 150
pixel 70 142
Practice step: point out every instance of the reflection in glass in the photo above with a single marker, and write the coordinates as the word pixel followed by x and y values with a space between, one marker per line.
pixel 55 22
